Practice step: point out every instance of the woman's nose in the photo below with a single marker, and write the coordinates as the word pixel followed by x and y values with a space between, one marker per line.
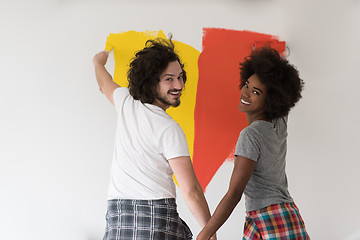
pixel 244 92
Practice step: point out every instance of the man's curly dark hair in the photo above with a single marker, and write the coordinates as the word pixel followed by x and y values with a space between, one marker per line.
pixel 146 67
pixel 282 81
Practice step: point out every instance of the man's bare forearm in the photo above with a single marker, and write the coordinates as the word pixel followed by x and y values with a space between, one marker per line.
pixel 103 77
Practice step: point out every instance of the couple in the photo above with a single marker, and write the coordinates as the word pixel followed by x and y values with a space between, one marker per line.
pixel 150 147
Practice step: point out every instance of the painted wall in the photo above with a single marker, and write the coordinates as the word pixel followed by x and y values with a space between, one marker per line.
pixel 56 131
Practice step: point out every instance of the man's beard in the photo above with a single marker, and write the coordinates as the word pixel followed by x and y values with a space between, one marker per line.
pixel 165 101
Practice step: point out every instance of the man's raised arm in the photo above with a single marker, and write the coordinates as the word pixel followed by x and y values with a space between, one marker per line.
pixel 103 77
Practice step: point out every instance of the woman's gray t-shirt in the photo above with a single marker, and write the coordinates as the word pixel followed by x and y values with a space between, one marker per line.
pixel 265 143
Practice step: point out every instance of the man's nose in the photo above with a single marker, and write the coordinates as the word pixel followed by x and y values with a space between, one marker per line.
pixel 178 84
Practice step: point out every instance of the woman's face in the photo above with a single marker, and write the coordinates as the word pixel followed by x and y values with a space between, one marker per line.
pixel 253 96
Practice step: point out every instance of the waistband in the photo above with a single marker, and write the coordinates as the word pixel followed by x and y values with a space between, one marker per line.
pixel 274 207
pixel 163 201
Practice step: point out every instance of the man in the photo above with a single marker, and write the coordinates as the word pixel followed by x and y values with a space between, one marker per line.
pixel 149 147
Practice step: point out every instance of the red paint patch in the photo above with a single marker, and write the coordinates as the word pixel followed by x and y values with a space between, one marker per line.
pixel 217 119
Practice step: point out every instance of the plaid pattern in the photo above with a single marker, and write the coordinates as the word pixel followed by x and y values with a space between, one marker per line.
pixel 144 219
pixel 278 221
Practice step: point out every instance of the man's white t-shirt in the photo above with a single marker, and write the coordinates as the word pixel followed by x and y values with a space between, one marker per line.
pixel 146 138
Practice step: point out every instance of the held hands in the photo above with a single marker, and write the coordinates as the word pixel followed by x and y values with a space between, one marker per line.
pixel 213 237
pixel 101 58
pixel 201 237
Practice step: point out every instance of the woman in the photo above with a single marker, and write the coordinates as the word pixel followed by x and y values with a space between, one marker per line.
pixel 270 87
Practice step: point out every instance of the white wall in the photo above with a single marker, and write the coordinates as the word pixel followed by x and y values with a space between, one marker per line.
pixel 56 129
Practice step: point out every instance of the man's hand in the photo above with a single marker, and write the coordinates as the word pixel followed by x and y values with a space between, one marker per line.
pixel 100 58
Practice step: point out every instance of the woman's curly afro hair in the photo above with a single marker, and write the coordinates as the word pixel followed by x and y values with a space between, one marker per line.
pixel 282 81
pixel 146 67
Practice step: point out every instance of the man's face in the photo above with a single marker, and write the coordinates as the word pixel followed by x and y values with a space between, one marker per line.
pixel 170 86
